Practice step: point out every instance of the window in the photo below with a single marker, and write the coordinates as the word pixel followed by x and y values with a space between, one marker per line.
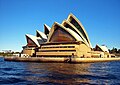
pixel 70 27
pixel 60 35
pixel 78 27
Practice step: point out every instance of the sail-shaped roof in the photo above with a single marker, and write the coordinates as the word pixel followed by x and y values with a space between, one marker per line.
pixel 63 31
pixel 73 20
pixel 46 29
pixel 70 30
pixel 68 25
pixel 33 40
pixel 41 35
pixel 102 48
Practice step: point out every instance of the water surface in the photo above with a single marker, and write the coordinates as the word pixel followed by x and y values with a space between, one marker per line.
pixel 22 73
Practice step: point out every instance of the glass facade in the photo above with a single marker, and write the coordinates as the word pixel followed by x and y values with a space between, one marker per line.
pixel 74 22
pixel 70 27
pixel 40 41
pixel 60 35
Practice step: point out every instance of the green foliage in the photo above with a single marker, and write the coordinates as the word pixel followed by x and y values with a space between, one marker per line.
pixel 115 51
pixel 6 54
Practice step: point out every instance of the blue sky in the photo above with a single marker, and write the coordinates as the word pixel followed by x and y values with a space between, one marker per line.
pixel 101 19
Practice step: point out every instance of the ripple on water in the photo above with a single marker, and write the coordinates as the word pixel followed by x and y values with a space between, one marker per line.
pixel 22 73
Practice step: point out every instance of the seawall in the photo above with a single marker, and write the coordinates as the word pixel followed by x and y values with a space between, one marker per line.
pixel 60 59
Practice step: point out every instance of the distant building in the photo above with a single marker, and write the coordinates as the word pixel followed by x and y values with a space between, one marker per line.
pixel 7 51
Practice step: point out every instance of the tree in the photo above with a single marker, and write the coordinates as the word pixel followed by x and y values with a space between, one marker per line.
pixel 119 51
pixel 114 50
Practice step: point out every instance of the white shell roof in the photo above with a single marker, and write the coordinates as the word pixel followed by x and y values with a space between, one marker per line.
pixel 74 34
pixel 42 34
pixel 47 27
pixel 67 22
pixel 34 38
pixel 103 48
pixel 71 15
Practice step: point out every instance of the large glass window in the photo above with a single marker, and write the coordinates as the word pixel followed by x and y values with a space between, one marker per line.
pixel 60 35
pixel 70 27
pixel 40 41
pixel 79 28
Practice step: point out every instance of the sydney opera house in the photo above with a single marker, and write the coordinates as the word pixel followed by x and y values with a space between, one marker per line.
pixel 63 40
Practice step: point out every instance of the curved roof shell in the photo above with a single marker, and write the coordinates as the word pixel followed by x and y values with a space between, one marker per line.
pixel 72 19
pixel 67 24
pixel 71 32
pixel 103 48
pixel 41 35
pixel 46 29
pixel 34 39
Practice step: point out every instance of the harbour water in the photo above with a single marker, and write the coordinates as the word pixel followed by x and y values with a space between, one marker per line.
pixel 30 73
